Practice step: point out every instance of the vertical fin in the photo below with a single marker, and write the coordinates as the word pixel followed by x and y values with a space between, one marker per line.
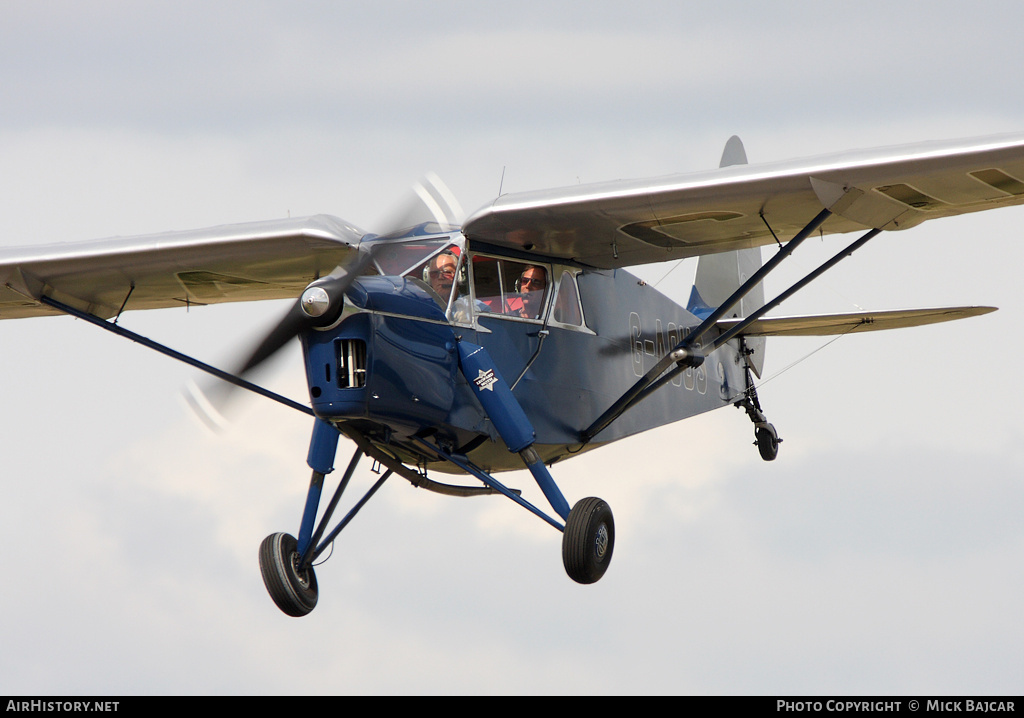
pixel 734 154
pixel 719 275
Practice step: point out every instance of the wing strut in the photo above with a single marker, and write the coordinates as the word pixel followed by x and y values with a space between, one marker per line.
pixel 163 349
pixel 840 256
pixel 683 354
pixel 740 326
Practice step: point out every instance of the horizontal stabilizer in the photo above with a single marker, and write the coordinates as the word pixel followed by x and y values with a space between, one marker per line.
pixel 816 325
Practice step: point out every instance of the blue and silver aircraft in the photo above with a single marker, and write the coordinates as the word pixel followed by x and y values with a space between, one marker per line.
pixel 517 339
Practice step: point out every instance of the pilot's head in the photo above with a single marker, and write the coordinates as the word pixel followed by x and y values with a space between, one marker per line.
pixel 441 273
pixel 532 284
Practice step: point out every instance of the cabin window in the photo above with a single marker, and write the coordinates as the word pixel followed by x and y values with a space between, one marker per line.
pixel 508 288
pixel 567 308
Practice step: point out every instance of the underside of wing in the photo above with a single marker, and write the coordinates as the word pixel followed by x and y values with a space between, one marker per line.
pixel 831 324
pixel 626 223
pixel 258 260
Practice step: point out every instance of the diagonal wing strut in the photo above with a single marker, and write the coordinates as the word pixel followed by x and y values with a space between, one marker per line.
pixel 684 354
pixel 163 349
pixel 741 325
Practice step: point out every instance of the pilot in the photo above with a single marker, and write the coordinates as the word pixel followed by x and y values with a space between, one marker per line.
pixel 531 286
pixel 441 274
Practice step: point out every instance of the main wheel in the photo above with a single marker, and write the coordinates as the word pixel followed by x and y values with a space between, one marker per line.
pixel 294 591
pixel 767 442
pixel 588 540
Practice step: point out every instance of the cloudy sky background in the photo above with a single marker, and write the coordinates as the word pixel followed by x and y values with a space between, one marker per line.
pixel 881 553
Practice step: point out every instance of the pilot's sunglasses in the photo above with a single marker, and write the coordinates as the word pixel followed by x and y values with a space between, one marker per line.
pixel 446 273
pixel 532 282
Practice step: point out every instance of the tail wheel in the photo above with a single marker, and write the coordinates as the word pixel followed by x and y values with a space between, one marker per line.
pixel 295 592
pixel 588 540
pixel 767 442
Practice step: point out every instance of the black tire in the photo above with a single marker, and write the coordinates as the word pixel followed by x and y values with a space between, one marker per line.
pixel 767 443
pixel 588 540
pixel 295 592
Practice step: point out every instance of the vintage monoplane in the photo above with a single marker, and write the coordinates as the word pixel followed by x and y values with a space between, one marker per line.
pixel 517 339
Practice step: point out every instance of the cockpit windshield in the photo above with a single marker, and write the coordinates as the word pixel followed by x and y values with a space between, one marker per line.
pixel 399 258
pixel 440 273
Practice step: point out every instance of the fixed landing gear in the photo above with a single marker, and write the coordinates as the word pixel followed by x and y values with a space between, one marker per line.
pixel 588 540
pixel 293 589
pixel 767 441
pixel 765 437
pixel 588 536
pixel 286 562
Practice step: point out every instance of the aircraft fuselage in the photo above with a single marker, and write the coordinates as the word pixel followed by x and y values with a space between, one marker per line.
pixel 390 367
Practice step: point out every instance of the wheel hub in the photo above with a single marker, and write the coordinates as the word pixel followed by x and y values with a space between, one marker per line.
pixel 601 541
pixel 302 576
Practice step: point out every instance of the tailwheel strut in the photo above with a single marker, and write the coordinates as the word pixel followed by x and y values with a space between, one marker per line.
pixel 766 438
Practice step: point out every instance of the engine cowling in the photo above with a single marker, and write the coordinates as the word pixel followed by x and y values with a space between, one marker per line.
pixel 390 360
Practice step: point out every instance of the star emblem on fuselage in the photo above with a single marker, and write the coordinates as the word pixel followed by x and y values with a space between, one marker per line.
pixel 485 380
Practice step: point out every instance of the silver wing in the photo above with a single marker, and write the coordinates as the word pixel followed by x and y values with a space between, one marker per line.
pixel 607 225
pixel 258 260
pixel 625 223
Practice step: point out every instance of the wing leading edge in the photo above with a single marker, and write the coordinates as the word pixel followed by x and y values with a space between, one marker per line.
pixel 626 223
pixel 258 260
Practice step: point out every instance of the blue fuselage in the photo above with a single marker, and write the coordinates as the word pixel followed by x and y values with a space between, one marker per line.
pixel 389 368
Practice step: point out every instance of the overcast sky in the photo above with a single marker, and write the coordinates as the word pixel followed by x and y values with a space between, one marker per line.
pixel 881 553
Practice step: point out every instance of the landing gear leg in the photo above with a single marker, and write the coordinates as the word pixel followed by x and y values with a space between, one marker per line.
pixel 765 436
pixel 588 536
pixel 286 563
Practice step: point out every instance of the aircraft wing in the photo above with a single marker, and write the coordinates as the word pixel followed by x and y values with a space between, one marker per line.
pixel 625 223
pixel 828 324
pixel 259 260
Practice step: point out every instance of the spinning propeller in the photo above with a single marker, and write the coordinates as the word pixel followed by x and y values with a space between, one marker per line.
pixel 322 301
